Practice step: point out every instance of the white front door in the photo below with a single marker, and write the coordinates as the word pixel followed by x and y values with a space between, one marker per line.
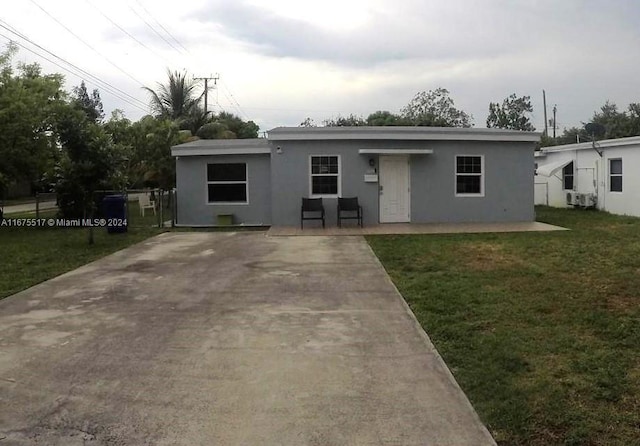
pixel 394 189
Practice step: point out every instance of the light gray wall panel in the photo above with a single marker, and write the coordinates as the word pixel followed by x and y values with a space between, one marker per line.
pixel 193 209
pixel 508 177
pixel 290 180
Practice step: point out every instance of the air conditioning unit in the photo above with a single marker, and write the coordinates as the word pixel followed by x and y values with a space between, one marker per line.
pixel 588 200
pixel 572 198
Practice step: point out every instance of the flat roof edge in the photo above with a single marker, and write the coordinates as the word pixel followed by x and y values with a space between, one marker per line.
pixel 222 147
pixel 211 151
pixel 604 144
pixel 414 133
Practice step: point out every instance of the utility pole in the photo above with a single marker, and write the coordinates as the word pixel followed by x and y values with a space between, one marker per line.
pixel 544 102
pixel 206 88
pixel 555 109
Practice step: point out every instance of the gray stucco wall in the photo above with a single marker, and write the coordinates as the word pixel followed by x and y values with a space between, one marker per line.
pixel 508 180
pixel 191 186
pixel 290 180
pixel 508 183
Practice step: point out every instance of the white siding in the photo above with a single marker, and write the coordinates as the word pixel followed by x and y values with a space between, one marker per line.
pixel 592 176
pixel 626 202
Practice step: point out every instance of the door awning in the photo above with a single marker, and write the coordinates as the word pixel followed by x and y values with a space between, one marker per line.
pixel 395 151
pixel 549 169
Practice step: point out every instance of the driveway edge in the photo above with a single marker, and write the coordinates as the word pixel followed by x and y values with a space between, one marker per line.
pixel 431 347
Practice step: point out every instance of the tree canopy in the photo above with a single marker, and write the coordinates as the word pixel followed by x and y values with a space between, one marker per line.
pixel 435 108
pixel 90 104
pixel 87 159
pixel 55 140
pixel 384 117
pixel 29 104
pixel 342 121
pixel 432 108
pixel 617 124
pixel 511 114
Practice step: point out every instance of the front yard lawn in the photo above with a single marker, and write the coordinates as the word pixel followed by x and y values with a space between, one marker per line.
pixel 541 330
pixel 32 255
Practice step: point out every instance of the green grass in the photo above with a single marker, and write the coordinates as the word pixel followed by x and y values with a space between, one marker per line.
pixel 32 255
pixel 541 330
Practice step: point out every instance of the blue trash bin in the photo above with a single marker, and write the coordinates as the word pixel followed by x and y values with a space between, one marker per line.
pixel 114 208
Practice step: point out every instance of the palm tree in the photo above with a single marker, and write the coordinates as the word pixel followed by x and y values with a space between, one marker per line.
pixel 177 100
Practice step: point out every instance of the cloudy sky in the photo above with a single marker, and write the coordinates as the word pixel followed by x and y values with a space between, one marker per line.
pixel 284 60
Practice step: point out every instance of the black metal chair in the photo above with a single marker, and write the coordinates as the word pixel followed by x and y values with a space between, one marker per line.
pixel 352 208
pixel 313 206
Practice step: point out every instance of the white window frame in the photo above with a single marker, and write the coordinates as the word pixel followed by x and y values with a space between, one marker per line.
pixel 456 174
pixel 338 175
pixel 227 203
pixel 616 175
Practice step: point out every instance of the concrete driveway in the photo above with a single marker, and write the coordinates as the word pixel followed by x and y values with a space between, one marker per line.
pixel 225 339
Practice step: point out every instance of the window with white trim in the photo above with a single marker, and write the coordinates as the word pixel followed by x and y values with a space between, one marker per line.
pixel 227 183
pixel 567 176
pixel 469 175
pixel 325 175
pixel 615 175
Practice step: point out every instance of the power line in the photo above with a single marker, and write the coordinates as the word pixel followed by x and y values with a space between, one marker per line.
pixel 114 91
pixel 160 25
pixel 70 71
pixel 233 100
pixel 104 89
pixel 85 43
pixel 127 32
pixel 152 28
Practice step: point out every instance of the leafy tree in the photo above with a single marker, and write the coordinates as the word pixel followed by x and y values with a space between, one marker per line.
pixel 240 128
pixel 349 121
pixel 633 113
pixel 215 130
pixel 228 126
pixel 86 165
pixel 92 105
pixel 617 124
pixel 546 141
pixel 29 102
pixel 511 114
pixel 308 122
pixel 436 109
pixel 573 135
pixel 196 118
pixel 152 163
pixel 382 118
pixel 120 130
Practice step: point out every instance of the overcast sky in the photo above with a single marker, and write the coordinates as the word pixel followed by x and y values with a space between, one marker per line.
pixel 284 60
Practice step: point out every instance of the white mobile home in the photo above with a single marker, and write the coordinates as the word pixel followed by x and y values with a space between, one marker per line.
pixel 604 175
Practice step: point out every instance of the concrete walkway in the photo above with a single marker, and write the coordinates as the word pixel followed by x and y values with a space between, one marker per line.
pixel 226 339
pixel 314 228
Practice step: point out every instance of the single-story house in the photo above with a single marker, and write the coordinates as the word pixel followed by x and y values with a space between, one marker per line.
pixel 603 175
pixel 398 174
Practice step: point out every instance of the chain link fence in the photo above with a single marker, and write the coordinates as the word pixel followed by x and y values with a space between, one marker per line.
pixel 142 207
